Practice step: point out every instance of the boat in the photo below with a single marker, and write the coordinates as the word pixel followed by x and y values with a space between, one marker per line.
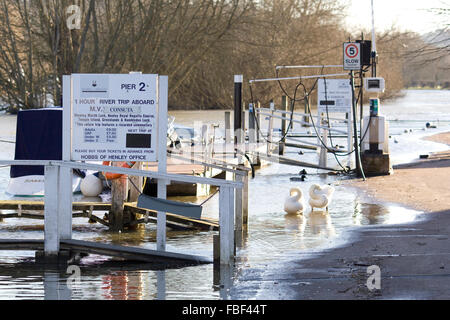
pixel 39 137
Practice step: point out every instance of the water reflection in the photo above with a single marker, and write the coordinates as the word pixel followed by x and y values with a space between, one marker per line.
pixel 223 280
pixel 295 223
pixel 320 224
pixel 374 214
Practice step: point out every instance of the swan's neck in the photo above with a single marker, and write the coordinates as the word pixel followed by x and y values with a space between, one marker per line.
pixel 296 194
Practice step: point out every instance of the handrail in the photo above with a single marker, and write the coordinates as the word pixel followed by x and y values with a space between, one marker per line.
pixel 302 122
pixel 298 77
pixel 127 171
pixel 210 165
pixel 259 110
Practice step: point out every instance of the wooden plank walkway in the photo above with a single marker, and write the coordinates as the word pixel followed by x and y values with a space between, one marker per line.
pixel 202 224
pixel 87 208
pixel 128 253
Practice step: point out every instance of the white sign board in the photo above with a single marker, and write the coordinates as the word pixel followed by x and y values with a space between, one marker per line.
pixel 334 95
pixel 114 117
pixel 352 56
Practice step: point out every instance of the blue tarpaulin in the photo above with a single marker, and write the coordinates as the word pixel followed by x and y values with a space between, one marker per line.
pixel 38 137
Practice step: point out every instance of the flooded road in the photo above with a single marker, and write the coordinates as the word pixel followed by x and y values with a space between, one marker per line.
pixel 272 236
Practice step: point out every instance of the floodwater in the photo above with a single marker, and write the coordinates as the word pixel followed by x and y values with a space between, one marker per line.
pixel 272 236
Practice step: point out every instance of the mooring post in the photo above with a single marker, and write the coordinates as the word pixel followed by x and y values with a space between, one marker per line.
pixel 135 185
pixel 237 111
pixel 251 125
pixel 162 160
pixel 226 224
pixel 323 150
pixel 258 120
pixel 239 203
pixel 258 130
pixel 245 202
pixel 51 206
pixel 119 191
pixel 284 107
pixel 270 129
pixel 227 127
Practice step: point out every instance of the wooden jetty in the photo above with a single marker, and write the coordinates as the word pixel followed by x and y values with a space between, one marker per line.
pixel 86 209
pixel 157 257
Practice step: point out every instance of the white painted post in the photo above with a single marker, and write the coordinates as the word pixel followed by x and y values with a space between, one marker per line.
pixel 161 284
pixel 226 224
pixel 323 151
pixel 239 203
pixel 51 224
pixel 349 132
pixel 163 93
pixel 270 130
pixel 66 174
pixel 227 127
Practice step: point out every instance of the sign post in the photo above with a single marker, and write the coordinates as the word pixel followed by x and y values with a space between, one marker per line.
pixel 113 117
pixel 335 96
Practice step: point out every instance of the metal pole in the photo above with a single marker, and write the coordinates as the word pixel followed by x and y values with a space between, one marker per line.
pixel 284 106
pixel 237 110
pixel 359 170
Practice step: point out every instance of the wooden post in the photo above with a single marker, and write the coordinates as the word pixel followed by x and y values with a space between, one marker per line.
pixel 119 191
pixel 226 223
pixel 51 224
pixel 162 159
pixel 284 107
pixel 135 182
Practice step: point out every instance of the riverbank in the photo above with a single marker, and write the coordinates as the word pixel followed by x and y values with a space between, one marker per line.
pixel 413 258
pixel 422 185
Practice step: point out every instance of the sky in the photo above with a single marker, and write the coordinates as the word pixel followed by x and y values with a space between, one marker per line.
pixel 405 14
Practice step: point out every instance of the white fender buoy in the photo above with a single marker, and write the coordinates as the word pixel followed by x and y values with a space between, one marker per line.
pixel 295 203
pixel 320 197
pixel 91 186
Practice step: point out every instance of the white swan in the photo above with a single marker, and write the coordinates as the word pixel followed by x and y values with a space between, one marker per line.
pixel 320 196
pixel 295 203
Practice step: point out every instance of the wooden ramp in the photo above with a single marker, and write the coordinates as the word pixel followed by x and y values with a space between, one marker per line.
pixel 163 258
pixel 86 210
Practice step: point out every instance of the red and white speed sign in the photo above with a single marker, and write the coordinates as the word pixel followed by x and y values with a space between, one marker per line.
pixel 352 56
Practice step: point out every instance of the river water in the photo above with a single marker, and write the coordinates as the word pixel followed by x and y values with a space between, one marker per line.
pixel 272 236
